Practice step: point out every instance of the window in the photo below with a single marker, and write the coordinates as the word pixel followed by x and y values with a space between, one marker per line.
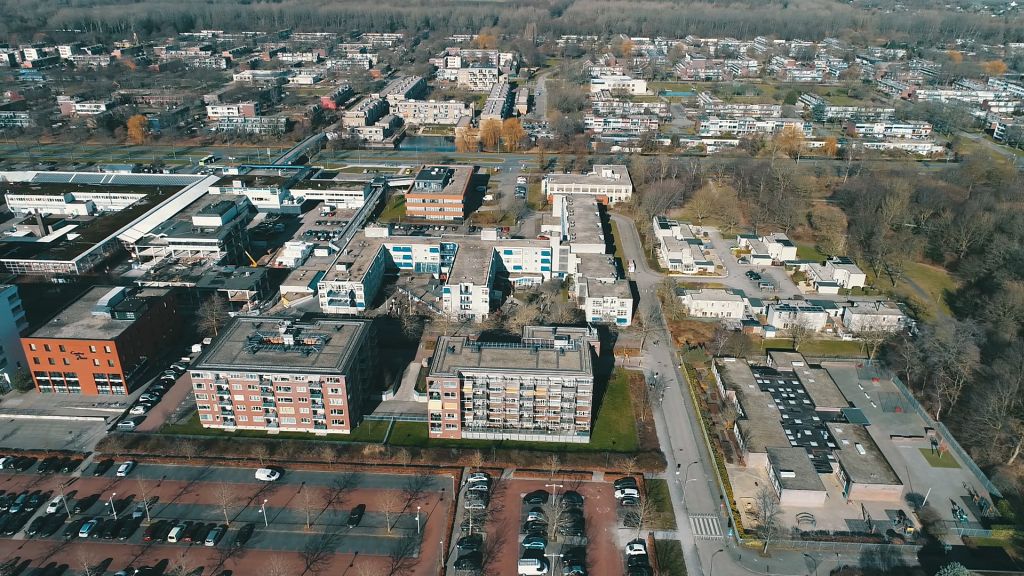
pixel 35 360
pixel 287 420
pixel 61 348
pixel 302 400
pixel 202 396
pixel 243 418
pixel 285 400
pixel 65 361
pixel 334 390
pixel 198 385
pixel 110 363
pixel 336 401
pixel 451 426
pixel 240 407
pixel 303 410
pixel 285 389
pixel 300 389
pixel 236 386
pixel 92 349
pixel 254 398
pixel 305 420
pixel 95 361
pixel 337 412
pixel 51 361
pixel 203 406
pixel 32 347
pixel 337 422
pixel 46 347
pixel 106 349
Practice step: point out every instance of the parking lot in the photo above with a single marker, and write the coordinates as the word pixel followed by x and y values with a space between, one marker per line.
pixel 503 526
pixel 300 511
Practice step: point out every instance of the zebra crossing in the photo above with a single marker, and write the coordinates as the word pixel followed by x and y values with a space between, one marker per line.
pixel 705 526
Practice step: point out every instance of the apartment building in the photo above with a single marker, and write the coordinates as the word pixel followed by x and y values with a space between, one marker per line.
pixel 439 193
pixel 632 124
pixel 426 112
pixel 12 324
pixel 791 314
pixel 540 389
pixel 716 126
pixel 477 78
pixel 874 317
pixel 106 342
pixel 253 124
pixel 909 130
pixel 714 106
pixel 768 249
pixel 819 109
pixel 73 107
pixel 403 88
pixel 365 112
pixel 237 110
pixel 627 84
pixel 498 105
pixel 679 248
pixel 15 119
pixel 279 375
pixel 609 182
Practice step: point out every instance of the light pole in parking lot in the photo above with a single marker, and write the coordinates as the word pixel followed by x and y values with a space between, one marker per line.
pixel 263 509
pixel 64 499
pixel 113 509
pixel 418 519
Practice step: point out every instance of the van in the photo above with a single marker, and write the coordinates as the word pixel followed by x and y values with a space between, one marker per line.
pixel 175 533
pixel 532 566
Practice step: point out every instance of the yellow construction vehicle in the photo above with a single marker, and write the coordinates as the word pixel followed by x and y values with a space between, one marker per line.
pixel 254 264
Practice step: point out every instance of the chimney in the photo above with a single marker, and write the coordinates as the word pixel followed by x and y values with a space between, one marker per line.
pixel 41 225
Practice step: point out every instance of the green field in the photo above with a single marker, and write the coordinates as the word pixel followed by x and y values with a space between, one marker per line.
pixel 945 461
pixel 670 557
pixel 664 518
pixel 935 282
pixel 809 252
pixel 395 209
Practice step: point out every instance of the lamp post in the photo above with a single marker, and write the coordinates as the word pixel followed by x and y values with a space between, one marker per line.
pixel 683 485
pixel 64 499
pixel 113 510
pixel 711 565
pixel 263 509
pixel 441 559
pixel 418 519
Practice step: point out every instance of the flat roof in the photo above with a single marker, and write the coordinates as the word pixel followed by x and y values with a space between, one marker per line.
pixel 457 354
pixel 859 455
pixel 794 469
pixel 821 387
pixel 619 176
pixel 761 426
pixel 712 295
pixel 457 185
pixel 78 322
pixel 260 344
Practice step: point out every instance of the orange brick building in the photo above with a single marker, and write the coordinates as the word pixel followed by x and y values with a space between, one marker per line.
pixel 104 342
pixel 439 193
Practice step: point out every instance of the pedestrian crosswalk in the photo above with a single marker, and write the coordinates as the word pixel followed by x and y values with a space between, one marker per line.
pixel 706 526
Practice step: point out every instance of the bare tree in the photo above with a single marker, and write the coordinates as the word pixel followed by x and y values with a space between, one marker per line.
pixel 872 341
pixel 403 457
pixel 226 497
pixel 719 340
pixel 318 551
pixel 402 559
pixel 143 496
pixel 627 464
pixel 86 559
pixel 279 566
pixel 800 332
pixel 552 464
pixel 391 505
pixel 476 460
pixel 188 448
pixel 260 452
pixel 309 506
pixel 644 514
pixel 212 314
pixel 328 454
pixel 768 515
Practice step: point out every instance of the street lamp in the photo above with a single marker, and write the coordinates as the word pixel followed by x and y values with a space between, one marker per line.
pixel 64 499
pixel 263 509
pixel 711 565
pixel 441 559
pixel 112 508
pixel 417 519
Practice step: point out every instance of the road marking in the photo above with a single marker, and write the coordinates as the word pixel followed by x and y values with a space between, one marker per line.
pixel 706 526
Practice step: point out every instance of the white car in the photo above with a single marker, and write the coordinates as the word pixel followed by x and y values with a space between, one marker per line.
pixel 55 505
pixel 636 548
pixel 267 474
pixel 139 409
pixel 624 492
pixel 478 477
pixel 125 468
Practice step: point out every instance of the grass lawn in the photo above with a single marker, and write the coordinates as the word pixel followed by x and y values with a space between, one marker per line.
pixel 664 518
pixel 614 431
pixel 395 209
pixel 368 431
pixel 946 461
pixel 809 252
pixel 934 281
pixel 670 557
pixel 827 348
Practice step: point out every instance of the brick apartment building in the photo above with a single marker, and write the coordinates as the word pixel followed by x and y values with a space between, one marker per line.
pixel 278 375
pixel 104 342
pixel 439 193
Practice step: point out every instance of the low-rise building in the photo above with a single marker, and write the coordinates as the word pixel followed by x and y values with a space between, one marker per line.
pixel 836 273
pixel 679 249
pixel 439 193
pixel 403 88
pixel 746 126
pixel 538 390
pixel 794 478
pixel 426 112
pixel 769 249
pixel 279 375
pixel 797 314
pixel 106 342
pixel 713 303
pixel 365 112
pixel 609 182
pixel 874 317
pixel 626 84
pixel 910 130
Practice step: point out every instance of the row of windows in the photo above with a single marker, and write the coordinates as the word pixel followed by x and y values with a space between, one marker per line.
pixel 60 347
pixel 52 362
pixel 243 418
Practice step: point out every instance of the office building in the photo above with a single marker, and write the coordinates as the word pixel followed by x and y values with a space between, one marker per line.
pixel 439 193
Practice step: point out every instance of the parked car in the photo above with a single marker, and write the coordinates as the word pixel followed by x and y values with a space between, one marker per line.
pixel 356 515
pixel 102 466
pixel 636 547
pixel 267 474
pixel 87 529
pixel 83 504
pixel 571 499
pixel 129 424
pixel 70 465
pixel 625 482
pixel 624 492
pixel 535 542
pixel 215 535
pixel 471 543
pixel 532 566
pixel 536 497
pixel 72 529
pixel 19 503
pixel 53 523
pixel 140 409
pixel 125 468
pixel 629 501
pixel 471 561
pixel 244 534
pixel 24 463
pixel 55 505
pixel 129 528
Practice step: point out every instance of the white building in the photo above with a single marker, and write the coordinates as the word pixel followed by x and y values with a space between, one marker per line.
pixel 769 249
pixel 713 303
pixel 911 130
pixel 607 181
pixel 837 272
pixel 874 317
pixel 12 323
pixel 788 314
pixel 634 86
pixel 717 126
pixel 679 249
pixel 424 112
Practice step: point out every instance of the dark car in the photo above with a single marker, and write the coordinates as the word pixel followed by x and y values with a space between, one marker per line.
pixel 70 465
pixel 111 530
pixel 35 526
pixel 6 500
pixel 640 571
pixel 129 528
pixel 625 482
pixel 356 515
pixel 83 504
pixel 152 530
pixel 471 561
pixel 102 467
pixel 535 528
pixel 161 534
pixel 574 561
pixel 471 543
pixel 48 465
pixel 536 497
pixel 15 522
pixel 475 519
pixel 571 529
pixel 102 526
pixel 637 560
pixel 243 535
pixel 54 522
pixel 72 529
pixel 189 534
pixel 571 499
pixel 629 501
pixel 24 463
pixel 36 500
